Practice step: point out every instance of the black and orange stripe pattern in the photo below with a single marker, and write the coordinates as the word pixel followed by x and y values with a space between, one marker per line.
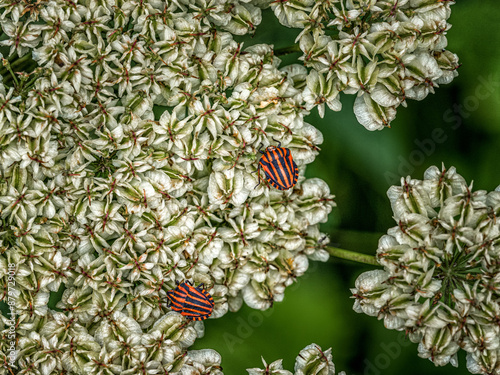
pixel 279 167
pixel 195 303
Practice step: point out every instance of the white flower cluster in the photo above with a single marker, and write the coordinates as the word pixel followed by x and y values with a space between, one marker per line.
pixel 127 152
pixel 116 345
pixel 440 281
pixel 312 360
pixel 386 51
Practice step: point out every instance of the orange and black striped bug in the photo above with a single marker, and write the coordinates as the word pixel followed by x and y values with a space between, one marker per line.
pixel 195 303
pixel 279 167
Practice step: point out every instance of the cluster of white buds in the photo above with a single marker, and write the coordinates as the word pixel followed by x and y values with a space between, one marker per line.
pixel 117 344
pixel 127 159
pixel 441 264
pixel 312 360
pixel 385 51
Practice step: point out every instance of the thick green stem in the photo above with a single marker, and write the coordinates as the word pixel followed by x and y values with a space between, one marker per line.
pixel 352 255
pixel 16 61
pixel 9 69
pixel 287 50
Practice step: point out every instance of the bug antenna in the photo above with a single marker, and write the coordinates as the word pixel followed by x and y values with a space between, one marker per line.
pixel 278 142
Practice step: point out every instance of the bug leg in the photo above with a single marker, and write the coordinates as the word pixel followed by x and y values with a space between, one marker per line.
pixel 189 283
pixel 279 143
pixel 258 175
pixel 168 300
pixel 259 150
pixel 165 300
pixel 202 286
pixel 177 282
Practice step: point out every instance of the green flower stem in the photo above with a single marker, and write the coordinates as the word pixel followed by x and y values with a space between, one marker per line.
pixel 19 60
pixel 287 50
pixel 16 64
pixel 352 255
pixel 9 69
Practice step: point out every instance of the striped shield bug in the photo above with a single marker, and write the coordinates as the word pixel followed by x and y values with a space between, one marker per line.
pixel 195 303
pixel 279 167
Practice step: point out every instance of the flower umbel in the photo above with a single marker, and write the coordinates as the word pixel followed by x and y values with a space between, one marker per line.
pixel 127 159
pixel 441 264
pixel 383 51
pixel 312 360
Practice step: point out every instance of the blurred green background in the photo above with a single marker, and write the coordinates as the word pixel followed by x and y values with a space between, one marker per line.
pixel 359 167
